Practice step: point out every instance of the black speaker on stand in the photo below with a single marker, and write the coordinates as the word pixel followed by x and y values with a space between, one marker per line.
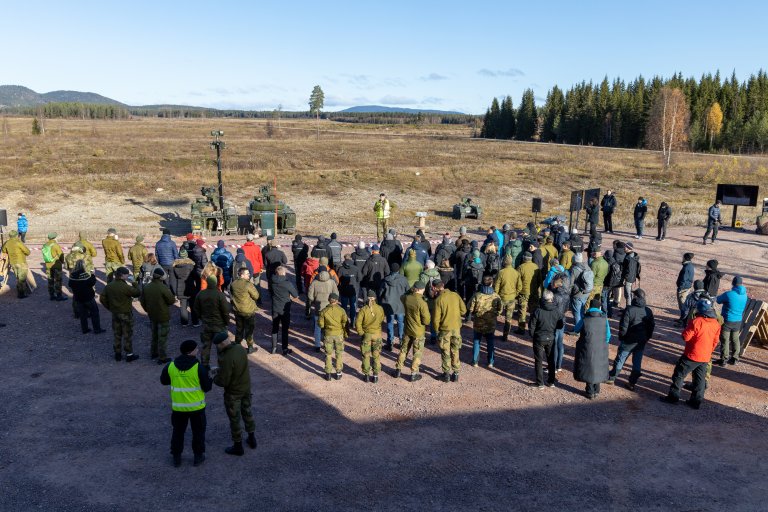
pixel 536 209
pixel 3 223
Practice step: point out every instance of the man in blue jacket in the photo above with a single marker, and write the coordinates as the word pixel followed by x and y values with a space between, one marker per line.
pixel 734 302
pixel 166 252
pixel 21 226
pixel 713 221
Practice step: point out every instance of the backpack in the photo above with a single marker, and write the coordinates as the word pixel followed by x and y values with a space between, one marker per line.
pixel 47 256
pixel 493 263
pixel 613 279
pixel 581 284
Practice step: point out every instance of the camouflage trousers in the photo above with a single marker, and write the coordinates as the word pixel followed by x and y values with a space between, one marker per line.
pixel 238 409
pixel 109 269
pixel 54 281
pixel 370 347
pixel 159 347
pixel 334 345
pixel 382 226
pixel 20 271
pixel 406 344
pixel 509 307
pixel 522 301
pixel 122 327
pixel 206 339
pixel 450 345
pixel 244 326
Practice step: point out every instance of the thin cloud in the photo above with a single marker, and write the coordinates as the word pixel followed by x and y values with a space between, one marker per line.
pixel 500 72
pixel 434 77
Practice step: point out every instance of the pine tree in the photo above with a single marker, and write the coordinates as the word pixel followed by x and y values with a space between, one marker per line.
pixel 526 117
pixel 506 119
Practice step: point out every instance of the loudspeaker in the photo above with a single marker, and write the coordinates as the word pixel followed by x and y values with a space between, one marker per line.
pixel 536 205
pixel 3 218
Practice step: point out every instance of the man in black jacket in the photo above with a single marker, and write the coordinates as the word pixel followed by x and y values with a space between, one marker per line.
pixel 444 250
pixel 300 251
pixel 608 205
pixel 662 219
pixel 334 252
pixel 320 249
pixel 283 291
pixel 373 272
pixel 593 216
pixel 641 208
pixel 544 322
pixel 635 329
pixel 685 281
pixel 273 258
pixel 630 271
pixel 349 287
pixel 83 286
pixel 392 249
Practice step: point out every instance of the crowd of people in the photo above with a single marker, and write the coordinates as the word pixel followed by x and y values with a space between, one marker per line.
pixel 531 279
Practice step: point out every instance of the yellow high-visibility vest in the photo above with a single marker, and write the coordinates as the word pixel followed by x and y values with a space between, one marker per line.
pixel 186 393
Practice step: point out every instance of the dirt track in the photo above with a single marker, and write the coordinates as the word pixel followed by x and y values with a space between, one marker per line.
pixel 82 432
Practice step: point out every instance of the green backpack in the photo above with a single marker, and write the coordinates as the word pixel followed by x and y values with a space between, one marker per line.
pixel 47 256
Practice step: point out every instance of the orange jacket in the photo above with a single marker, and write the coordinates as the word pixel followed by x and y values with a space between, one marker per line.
pixel 253 253
pixel 204 283
pixel 701 336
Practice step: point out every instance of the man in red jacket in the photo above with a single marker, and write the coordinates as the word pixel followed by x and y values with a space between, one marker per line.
pixel 701 337
pixel 253 254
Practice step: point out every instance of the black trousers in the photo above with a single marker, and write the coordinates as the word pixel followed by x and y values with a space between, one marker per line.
pixel 179 422
pixel 683 367
pixel 712 227
pixel 284 320
pixel 544 350
pixel 662 225
pixel 608 222
pixel 185 306
pixel 85 310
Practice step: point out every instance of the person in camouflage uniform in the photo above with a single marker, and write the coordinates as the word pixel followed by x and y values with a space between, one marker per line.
pixel 118 299
pixel 508 285
pixel 449 311
pixel 212 308
pixel 113 254
pixel 17 258
pixel 244 298
pixel 88 250
pixel 368 325
pixel 156 299
pixel 530 275
pixel 136 254
pixel 417 317
pixel 54 267
pixel 333 321
pixel 484 308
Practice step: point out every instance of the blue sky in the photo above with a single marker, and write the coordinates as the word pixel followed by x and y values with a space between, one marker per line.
pixel 445 55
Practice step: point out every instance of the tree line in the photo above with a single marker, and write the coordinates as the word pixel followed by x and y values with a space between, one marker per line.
pixel 718 115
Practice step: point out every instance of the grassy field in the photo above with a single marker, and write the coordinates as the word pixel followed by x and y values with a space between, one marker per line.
pixel 332 182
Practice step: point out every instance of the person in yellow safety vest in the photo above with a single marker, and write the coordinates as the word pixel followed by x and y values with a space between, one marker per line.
pixel 189 382
pixel 383 209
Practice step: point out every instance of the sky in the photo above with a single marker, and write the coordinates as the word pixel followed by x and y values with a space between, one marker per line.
pixel 447 55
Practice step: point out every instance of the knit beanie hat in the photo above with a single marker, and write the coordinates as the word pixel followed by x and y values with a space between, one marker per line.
pixel 220 244
pixel 736 281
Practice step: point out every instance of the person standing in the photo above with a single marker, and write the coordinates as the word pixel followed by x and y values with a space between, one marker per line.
pixel 53 257
pixel 244 297
pixel 590 362
pixel 600 270
pixel 593 216
pixel 713 221
pixel 334 252
pixel 349 287
pixel 560 288
pixel 700 336
pixel 300 251
pixel 212 308
pixel 283 294
pixel 635 330
pixel 137 255
pixel 392 250
pixel 514 249
pixel 449 311
pixel 417 318
pixel 89 250
pixel 185 284
pixel 318 295
pixel 83 286
pixel 484 309
pixel 394 286
pixel 335 325
pixel 189 383
pixel 608 206
pixel 22 225
pixel 199 256
pixel 550 252
pixel 508 285
pixel 383 209
pixel 566 255
pixel 113 254
pixel 273 258
pixel 253 254
pixel 662 219
pixel 234 376
pixel 734 301
pixel 530 279
pixel 166 252
pixel 712 277
pixel 368 326
pixel 545 321
pixel 684 282
pixel 582 284
pixel 641 208
pixel 373 272
pixel 118 297
pixel 222 258
pixel 630 271
pixel 156 299
pixel 411 269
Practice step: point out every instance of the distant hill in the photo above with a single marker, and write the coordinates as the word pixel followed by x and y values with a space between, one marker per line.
pixel 374 109
pixel 19 96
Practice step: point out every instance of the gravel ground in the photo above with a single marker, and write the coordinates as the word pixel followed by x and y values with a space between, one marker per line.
pixel 82 432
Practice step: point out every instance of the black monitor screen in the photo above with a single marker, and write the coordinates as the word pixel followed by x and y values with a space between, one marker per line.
pixel 739 195
pixel 589 194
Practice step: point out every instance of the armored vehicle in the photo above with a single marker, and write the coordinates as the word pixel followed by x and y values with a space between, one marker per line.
pixel 209 219
pixel 465 209
pixel 261 214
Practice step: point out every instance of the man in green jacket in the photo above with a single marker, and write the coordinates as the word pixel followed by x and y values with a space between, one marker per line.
pixel 600 268
pixel 136 254
pixel 447 320
pixel 484 308
pixel 417 317
pixel 566 256
pixel 234 376
pixel 113 253
pixel 212 308
pixel 411 269
pixel 368 325
pixel 383 209
pixel 244 298
pixel 333 321
pixel 53 257
pixel 508 286
pixel 17 258
pixel 530 275
pixel 156 299
pixel 118 298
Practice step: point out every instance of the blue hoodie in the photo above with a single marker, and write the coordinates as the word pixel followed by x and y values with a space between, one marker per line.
pixel 734 302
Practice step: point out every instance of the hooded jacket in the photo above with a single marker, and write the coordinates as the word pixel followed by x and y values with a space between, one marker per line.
pixel 444 251
pixel 734 302
pixel 156 299
pixel 83 286
pixel 319 290
pixel 373 272
pixel 392 251
pixel 184 281
pixel 641 208
pixel 712 279
pixel 308 270
pixel 701 335
pixel 631 268
pixel 223 259
pixel 360 256
pixel 283 289
pixel 514 249
pixel 240 262
pixel 252 251
pixel 637 324
pixel 394 286
pixel 545 321
pixel 166 251
pixel 349 279
pixel 200 257
pixel 234 375
pixel 411 269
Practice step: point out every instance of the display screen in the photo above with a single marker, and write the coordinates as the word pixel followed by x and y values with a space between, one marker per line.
pixel 589 194
pixel 738 195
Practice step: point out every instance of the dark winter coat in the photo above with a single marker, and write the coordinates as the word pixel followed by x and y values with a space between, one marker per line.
pixel 685 277
pixel 619 255
pixel 577 243
pixel 421 254
pixel 273 258
pixel 334 253
pixel 631 268
pixel 538 258
pixel 223 259
pixel 199 256
pixel 712 281
pixel 636 325
pixel 395 285
pixel 613 279
pixel 392 250
pixel 282 291
pixel 374 271
pixel 545 321
pixel 320 250
pixel 562 298
pixel 593 213
pixel 300 251
pixel 590 362
pixel 83 286
pixel 349 279
pixel 608 204
pixel 444 251
pixel 640 210
pixel 664 213
pixel 240 262
pixel 448 277
pixel 360 256
pixel 184 281
pixel 166 251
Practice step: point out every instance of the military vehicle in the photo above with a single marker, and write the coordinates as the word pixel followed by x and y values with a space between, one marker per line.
pixel 465 209
pixel 261 214
pixel 209 219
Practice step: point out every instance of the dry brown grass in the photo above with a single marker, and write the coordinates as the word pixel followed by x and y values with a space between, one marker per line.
pixel 332 182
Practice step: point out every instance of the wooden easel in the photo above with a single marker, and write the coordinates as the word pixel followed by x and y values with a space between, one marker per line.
pixel 755 324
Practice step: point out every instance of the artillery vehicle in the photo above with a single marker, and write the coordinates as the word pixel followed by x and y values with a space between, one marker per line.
pixel 466 210
pixel 264 209
pixel 208 218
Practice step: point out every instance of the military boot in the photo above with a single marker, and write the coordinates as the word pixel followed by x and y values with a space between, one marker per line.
pixel 367 378
pixel 445 377
pixel 235 449
pixel 375 379
pixel 251 441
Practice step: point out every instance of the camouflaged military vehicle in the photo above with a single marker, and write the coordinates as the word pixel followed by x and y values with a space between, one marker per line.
pixel 209 219
pixel 466 210
pixel 261 214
